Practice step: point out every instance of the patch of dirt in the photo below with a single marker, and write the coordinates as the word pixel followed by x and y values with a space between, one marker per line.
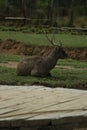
pixel 10 64
pixel 19 48
pixel 70 67
pixel 77 53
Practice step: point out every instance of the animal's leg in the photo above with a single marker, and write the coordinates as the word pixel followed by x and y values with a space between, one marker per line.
pixel 36 73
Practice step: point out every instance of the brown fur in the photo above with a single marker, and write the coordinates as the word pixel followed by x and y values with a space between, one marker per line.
pixel 40 65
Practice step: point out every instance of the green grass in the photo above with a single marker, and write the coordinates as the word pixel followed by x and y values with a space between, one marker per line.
pixel 40 39
pixel 61 77
pixel 4 58
pixel 72 63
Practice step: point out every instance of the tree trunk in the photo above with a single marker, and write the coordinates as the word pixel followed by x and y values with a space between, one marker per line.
pixel 71 21
pixel 50 12
pixel 6 7
pixel 24 11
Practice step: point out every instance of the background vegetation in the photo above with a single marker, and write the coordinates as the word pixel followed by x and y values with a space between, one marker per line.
pixel 47 12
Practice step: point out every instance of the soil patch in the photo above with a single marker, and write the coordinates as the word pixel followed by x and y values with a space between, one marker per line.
pixel 19 48
pixel 10 64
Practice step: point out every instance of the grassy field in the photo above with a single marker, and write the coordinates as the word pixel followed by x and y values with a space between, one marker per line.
pixel 68 73
pixel 68 40
pixel 67 78
pixel 74 76
pixel 5 58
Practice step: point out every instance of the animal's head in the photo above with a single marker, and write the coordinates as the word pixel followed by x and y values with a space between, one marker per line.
pixel 60 51
pixel 58 47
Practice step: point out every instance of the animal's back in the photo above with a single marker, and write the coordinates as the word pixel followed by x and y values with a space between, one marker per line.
pixel 25 66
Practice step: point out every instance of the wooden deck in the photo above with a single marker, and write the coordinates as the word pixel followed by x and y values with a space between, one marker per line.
pixel 41 106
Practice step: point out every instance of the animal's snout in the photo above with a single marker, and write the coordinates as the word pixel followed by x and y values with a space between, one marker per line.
pixel 63 54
